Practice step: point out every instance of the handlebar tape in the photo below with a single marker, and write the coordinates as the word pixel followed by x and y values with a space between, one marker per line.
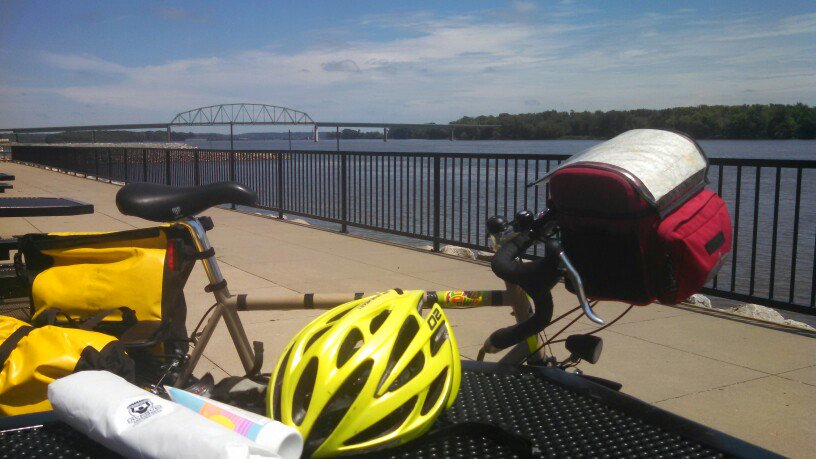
pixel 536 278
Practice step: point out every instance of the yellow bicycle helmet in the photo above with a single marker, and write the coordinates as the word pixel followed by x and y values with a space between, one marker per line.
pixel 367 374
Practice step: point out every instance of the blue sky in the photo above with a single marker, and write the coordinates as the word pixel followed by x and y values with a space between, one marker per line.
pixel 421 61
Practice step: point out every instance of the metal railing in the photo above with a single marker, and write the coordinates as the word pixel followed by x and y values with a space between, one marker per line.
pixel 446 198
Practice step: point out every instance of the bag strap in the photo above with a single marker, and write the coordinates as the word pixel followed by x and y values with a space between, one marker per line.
pixel 49 317
pixel 11 343
pixel 128 318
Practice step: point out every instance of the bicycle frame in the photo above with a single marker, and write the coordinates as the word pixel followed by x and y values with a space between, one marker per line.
pixel 228 305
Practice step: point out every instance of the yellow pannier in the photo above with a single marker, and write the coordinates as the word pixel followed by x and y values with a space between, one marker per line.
pixel 33 357
pixel 112 282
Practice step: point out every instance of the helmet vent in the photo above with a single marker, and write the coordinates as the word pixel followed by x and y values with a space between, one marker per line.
pixel 338 315
pixel 439 337
pixel 276 395
pixel 315 337
pixel 434 391
pixel 377 322
pixel 303 392
pixel 337 407
pixel 386 425
pixel 414 368
pixel 406 334
pixel 350 345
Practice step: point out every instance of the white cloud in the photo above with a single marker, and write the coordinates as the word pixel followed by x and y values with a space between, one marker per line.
pixel 170 13
pixel 471 64
pixel 748 30
pixel 525 7
pixel 346 65
pixel 83 63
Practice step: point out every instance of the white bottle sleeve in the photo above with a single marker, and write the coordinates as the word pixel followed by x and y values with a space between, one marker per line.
pixel 138 424
pixel 282 439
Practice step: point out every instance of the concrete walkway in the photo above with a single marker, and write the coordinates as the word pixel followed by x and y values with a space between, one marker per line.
pixel 751 380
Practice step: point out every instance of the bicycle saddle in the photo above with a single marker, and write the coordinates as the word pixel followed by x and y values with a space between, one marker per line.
pixel 163 203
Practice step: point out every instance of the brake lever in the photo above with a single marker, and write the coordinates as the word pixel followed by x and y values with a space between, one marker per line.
pixel 497 231
pixel 575 278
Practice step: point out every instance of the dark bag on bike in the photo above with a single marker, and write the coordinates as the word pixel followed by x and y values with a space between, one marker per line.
pixel 636 219
pixel 125 283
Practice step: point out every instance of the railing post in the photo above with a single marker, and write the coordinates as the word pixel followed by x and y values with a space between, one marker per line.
pixel 279 183
pixel 167 165
pixel 343 195
pixel 232 159
pixel 232 164
pixel 436 215
pixel 126 164
pixel 144 164
pixel 196 173
pixel 96 159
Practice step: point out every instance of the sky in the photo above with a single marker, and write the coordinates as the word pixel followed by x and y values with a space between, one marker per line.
pixel 106 62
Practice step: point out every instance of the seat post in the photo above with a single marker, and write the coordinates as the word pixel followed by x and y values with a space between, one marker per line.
pixel 225 308
pixel 211 267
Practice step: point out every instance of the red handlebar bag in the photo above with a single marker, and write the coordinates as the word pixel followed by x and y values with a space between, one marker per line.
pixel 636 219
pixel 693 241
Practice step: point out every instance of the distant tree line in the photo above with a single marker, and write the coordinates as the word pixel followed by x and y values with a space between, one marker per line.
pixel 353 134
pixel 774 121
pixel 107 136
pixel 703 122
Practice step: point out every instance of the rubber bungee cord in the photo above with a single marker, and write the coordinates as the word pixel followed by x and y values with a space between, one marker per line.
pixel 194 334
pixel 553 340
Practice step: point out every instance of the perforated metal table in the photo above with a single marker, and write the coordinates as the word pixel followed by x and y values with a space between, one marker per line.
pixel 561 414
pixel 42 207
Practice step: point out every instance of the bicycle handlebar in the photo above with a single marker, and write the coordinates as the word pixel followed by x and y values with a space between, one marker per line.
pixel 536 279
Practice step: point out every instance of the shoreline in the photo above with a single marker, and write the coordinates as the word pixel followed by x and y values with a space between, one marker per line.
pixel 169 145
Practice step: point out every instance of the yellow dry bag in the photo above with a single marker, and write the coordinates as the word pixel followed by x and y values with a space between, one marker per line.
pixel 30 358
pixel 112 282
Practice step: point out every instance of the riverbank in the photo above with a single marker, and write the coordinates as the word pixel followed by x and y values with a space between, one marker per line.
pixel 172 145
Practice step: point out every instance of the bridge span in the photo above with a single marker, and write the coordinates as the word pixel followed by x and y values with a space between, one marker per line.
pixel 242 114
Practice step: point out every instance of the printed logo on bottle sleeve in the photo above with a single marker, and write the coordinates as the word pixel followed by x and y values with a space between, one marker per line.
pixel 142 410
pixel 137 410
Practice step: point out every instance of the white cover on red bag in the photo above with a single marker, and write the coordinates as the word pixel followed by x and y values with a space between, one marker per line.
pixel 665 162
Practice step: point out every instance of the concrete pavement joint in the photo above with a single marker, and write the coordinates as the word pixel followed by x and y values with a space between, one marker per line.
pixel 781 375
pixel 633 321
pixel 713 389
pixel 27 220
pixel 691 353
pixel 220 261
pixel 216 365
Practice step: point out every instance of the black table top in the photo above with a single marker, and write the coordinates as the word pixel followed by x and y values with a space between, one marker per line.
pixel 558 413
pixel 42 207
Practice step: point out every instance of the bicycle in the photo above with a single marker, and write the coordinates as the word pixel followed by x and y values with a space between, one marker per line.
pixel 527 293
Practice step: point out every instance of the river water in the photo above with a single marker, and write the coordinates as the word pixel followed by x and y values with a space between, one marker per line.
pixel 785 249
pixel 753 149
